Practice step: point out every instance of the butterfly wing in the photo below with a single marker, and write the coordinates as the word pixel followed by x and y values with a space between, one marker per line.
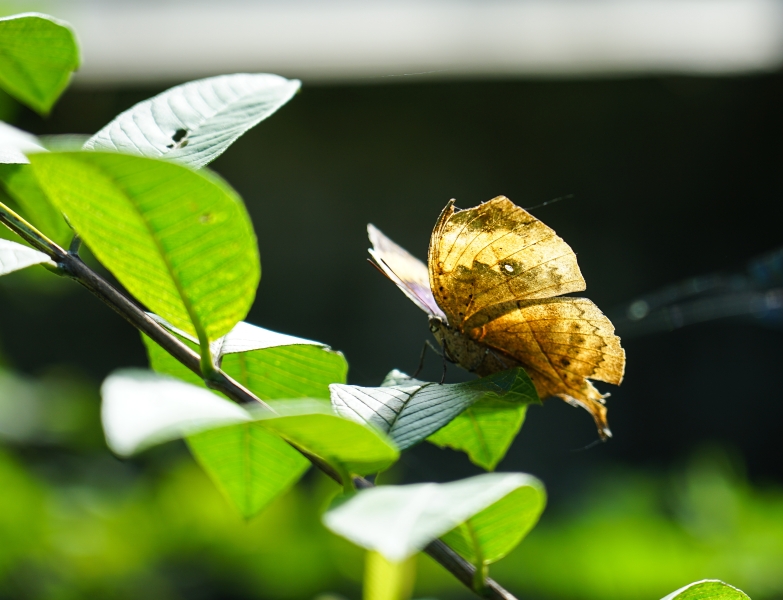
pixel 493 253
pixel 562 343
pixel 404 269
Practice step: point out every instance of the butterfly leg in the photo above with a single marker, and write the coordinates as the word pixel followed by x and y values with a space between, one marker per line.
pixel 446 357
pixel 421 358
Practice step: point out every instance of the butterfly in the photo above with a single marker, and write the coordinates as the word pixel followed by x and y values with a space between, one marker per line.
pixel 491 292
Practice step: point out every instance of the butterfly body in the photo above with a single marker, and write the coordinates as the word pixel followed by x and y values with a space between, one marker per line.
pixel 492 291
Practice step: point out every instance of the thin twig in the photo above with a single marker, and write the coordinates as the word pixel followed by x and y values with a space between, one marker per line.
pixel 72 266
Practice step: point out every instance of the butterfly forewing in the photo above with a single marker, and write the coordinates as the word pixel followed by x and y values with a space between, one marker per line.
pixel 494 253
pixel 406 271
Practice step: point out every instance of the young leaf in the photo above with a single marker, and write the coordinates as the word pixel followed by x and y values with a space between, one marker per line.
pixel 348 446
pixel 708 589
pixel 410 410
pixel 141 409
pixel 194 123
pixel 37 55
pixel 15 144
pixel 485 430
pixel 494 532
pixel 14 257
pixel 270 364
pixel 385 580
pixel 179 241
pixel 398 521
pixel 298 368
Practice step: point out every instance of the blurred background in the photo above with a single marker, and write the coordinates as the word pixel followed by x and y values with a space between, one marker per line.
pixel 659 121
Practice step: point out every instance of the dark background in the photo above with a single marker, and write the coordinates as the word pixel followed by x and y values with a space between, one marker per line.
pixel 671 177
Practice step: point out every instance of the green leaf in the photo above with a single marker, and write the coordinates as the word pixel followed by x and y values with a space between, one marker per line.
pixel 410 410
pixel 179 241
pixel 708 589
pixel 14 257
pixel 398 521
pixel 37 55
pixel 494 532
pixel 194 123
pixel 386 580
pixel 250 465
pixel 485 430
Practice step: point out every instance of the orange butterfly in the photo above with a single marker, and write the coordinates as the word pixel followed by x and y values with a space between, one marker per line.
pixel 490 293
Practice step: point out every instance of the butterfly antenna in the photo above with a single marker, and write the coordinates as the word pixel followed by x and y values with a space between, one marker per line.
pixel 592 444
pixel 566 197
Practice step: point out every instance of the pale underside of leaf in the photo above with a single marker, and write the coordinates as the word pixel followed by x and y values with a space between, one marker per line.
pixel 707 589
pixel 14 257
pixel 398 521
pixel 15 144
pixel 410 410
pixel 195 122
pixel 141 408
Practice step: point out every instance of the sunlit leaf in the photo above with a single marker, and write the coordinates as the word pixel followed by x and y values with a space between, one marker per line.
pixel 409 410
pixel 386 580
pixel 494 532
pixel 398 521
pixel 708 589
pixel 14 257
pixel 195 122
pixel 180 241
pixel 38 53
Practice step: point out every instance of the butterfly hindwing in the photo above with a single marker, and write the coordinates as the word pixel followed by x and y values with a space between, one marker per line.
pixel 493 253
pixel 561 343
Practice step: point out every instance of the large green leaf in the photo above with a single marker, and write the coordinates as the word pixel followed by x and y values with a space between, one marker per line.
pixel 708 589
pixel 494 532
pixel 398 521
pixel 38 53
pixel 180 241
pixel 485 430
pixel 410 410
pixel 194 123
pixel 14 257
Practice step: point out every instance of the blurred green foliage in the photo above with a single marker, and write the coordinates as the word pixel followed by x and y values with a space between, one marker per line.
pixel 76 523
